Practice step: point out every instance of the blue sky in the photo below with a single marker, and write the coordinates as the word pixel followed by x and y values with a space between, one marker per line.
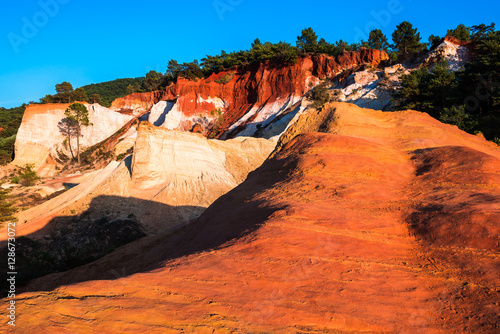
pixel 49 41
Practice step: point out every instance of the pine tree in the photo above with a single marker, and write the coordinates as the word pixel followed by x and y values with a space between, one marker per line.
pixel 377 40
pixel 78 116
pixel 406 38
pixel 308 41
pixel 461 32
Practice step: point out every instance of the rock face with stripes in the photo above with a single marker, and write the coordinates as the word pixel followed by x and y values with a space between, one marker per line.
pixel 244 100
pixel 232 103
pixel 41 134
pixel 360 221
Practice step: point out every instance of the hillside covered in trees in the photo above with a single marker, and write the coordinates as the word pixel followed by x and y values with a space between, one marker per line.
pixel 10 120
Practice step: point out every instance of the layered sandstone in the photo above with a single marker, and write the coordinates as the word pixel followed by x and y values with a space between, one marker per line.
pixel 170 179
pixel 373 222
pixel 138 103
pixel 249 98
pixel 240 102
pixel 40 133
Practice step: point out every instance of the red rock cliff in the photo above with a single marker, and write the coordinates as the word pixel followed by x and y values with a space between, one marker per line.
pixel 250 89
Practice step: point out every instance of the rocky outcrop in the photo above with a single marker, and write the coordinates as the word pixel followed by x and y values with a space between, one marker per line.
pixel 239 102
pixel 171 178
pixel 377 222
pixel 137 103
pixel 245 100
pixel 453 50
pixel 374 89
pixel 40 134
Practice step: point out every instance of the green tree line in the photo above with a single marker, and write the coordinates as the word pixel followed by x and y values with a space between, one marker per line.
pixel 469 98
pixel 10 121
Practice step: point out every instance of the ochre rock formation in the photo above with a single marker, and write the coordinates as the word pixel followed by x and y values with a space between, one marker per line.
pixel 361 221
pixel 39 134
pixel 181 173
pixel 242 101
pixel 138 103
pixel 249 97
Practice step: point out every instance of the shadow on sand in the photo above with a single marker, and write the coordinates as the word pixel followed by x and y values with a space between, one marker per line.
pixel 123 248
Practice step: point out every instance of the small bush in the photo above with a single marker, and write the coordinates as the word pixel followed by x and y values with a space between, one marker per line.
pixel 217 124
pixel 28 175
pixel 15 179
pixel 6 207
pixel 320 95
pixel 459 117
pixel 225 79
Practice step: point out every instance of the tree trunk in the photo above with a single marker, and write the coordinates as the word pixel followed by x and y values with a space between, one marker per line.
pixel 78 144
pixel 70 148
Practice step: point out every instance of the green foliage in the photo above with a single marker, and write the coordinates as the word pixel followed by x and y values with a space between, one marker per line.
pixel 481 31
pixel 377 40
pixel 66 94
pixel 77 116
pixel 64 87
pixel 225 79
pixel 6 207
pixel 153 80
pixel 406 38
pixel 133 88
pixel 308 41
pixel 15 180
pixel 10 120
pixel 461 32
pixel 6 149
pixel 28 175
pixel 320 95
pixel 479 82
pixel 426 90
pixel 496 141
pixel 173 68
pixel 78 113
pixel 434 42
pixel 95 98
pixel 469 98
pixel 112 90
pixel 459 117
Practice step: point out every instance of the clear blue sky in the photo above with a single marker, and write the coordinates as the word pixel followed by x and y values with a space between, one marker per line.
pixel 93 41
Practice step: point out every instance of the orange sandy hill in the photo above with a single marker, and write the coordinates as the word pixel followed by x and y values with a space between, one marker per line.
pixel 362 221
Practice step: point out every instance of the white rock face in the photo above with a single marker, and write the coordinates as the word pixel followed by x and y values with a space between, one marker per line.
pixel 263 116
pixel 371 96
pixel 364 90
pixel 281 124
pixel 176 157
pixel 39 134
pixel 168 115
pixel 172 177
pixel 159 112
pixel 455 55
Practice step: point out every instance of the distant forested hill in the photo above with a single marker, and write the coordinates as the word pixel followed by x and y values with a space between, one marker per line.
pixel 10 121
pixel 111 90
